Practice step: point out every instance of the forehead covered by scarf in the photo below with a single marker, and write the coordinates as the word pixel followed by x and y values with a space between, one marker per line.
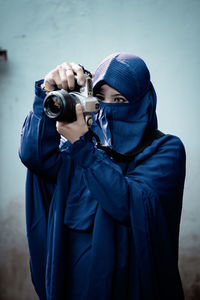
pixel 124 72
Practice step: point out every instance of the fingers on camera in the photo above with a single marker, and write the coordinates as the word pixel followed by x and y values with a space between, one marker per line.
pixel 80 73
pixel 49 81
pixel 79 113
pixel 63 76
pixel 67 76
pixel 56 77
pixel 65 80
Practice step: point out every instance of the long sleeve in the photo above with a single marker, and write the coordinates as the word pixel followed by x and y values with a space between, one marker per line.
pixel 39 149
pixel 149 200
pixel 160 170
pixel 103 177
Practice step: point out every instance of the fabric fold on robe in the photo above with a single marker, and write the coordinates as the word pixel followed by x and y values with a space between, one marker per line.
pixel 93 231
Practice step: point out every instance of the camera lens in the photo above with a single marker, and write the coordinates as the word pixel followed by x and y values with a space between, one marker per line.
pixel 60 106
pixel 55 104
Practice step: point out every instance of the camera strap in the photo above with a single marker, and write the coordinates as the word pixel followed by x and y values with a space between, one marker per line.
pixel 85 71
pixel 149 136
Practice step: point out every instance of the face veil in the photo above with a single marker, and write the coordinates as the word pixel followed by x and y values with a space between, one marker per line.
pixel 121 126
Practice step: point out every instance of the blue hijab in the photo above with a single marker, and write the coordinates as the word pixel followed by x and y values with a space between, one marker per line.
pixel 124 124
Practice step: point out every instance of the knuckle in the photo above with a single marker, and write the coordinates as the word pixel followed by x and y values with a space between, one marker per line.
pixel 70 75
pixel 53 72
pixel 59 126
pixel 57 69
pixel 48 76
pixel 58 81
pixel 46 79
pixel 79 68
pixel 64 81
pixel 59 84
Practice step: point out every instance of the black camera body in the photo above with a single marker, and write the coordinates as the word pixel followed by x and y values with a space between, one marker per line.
pixel 59 105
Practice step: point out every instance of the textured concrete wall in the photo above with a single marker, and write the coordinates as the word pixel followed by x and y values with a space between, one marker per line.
pixel 38 35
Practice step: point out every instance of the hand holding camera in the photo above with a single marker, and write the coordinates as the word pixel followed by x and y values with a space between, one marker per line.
pixel 63 77
pixel 72 110
pixel 73 131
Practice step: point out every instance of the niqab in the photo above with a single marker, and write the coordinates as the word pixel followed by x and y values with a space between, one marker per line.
pixel 121 126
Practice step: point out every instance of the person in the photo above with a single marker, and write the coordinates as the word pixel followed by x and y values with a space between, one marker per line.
pixel 103 204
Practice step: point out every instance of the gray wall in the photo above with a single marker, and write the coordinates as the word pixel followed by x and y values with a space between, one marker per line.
pixel 38 35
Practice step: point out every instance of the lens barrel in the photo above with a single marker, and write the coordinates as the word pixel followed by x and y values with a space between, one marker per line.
pixel 60 106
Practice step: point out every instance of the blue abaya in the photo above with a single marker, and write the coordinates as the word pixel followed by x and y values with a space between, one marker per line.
pixel 99 229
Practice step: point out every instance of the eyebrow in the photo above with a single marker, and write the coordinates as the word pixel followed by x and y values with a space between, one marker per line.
pixel 113 95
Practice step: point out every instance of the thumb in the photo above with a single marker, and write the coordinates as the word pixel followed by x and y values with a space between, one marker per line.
pixel 79 113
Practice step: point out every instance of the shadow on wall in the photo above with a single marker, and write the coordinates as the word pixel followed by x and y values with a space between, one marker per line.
pixel 15 281
pixel 189 266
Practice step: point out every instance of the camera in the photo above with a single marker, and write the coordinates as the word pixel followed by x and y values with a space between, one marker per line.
pixel 59 105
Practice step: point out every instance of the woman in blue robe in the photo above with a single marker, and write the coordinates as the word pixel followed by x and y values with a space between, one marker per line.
pixel 100 227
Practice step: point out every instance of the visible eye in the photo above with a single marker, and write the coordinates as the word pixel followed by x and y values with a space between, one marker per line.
pixel 120 100
pixel 117 99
